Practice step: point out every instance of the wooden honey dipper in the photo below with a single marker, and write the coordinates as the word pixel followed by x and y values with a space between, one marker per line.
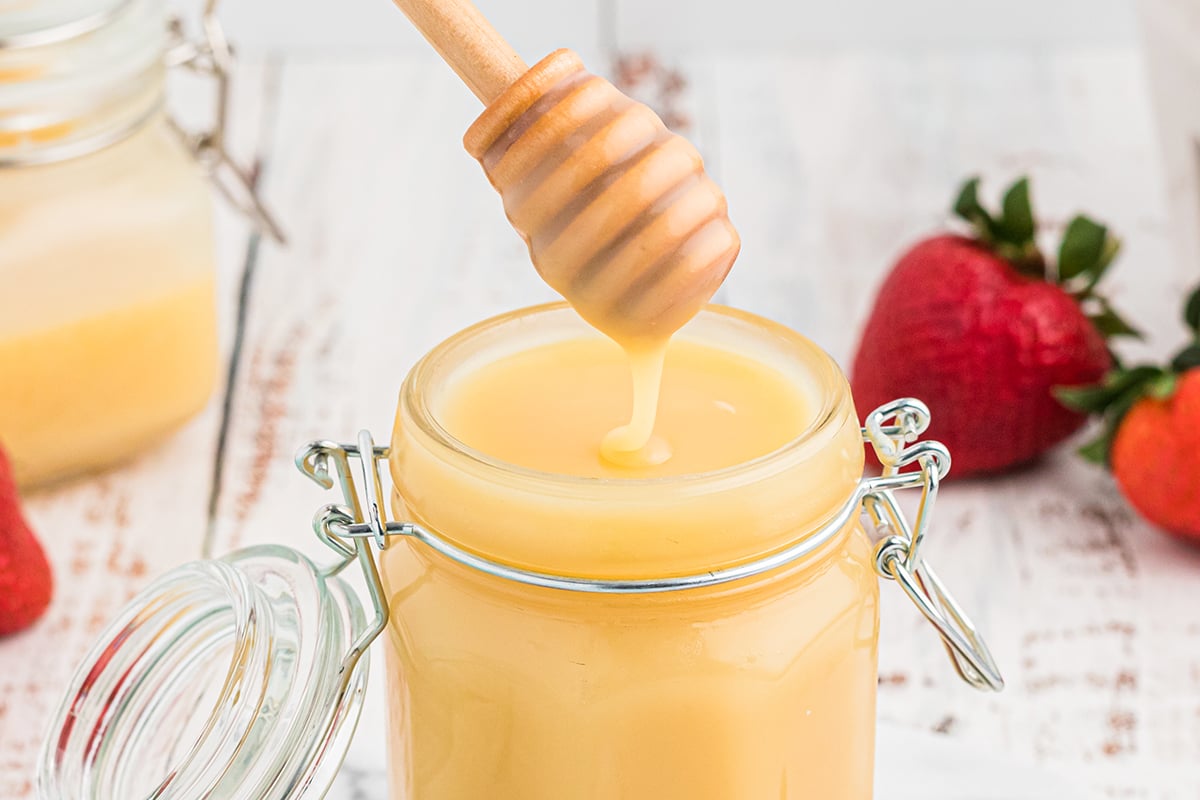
pixel 617 211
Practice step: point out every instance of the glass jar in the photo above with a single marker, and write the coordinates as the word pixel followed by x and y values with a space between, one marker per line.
pixel 534 650
pixel 733 690
pixel 108 335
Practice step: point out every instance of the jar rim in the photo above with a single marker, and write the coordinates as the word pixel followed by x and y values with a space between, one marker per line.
pixel 414 398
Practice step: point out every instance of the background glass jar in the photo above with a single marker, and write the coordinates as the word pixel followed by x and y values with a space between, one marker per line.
pixel 108 335
pixel 763 687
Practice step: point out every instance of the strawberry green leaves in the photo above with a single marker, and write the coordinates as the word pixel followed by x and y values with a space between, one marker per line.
pixel 1123 387
pixel 1116 384
pixel 1189 356
pixel 969 208
pixel 1108 321
pixel 1083 247
pixel 1017 222
pixel 1014 225
pixel 1085 254
pixel 1191 313
pixel 1112 399
pixel 1088 249
pixel 1012 233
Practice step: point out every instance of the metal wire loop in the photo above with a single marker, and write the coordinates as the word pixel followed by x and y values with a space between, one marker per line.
pixel 898 552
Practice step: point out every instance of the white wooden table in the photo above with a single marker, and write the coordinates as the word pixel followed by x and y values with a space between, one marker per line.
pixel 831 164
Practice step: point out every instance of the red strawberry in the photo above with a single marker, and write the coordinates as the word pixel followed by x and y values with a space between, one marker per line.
pixel 25 580
pixel 1152 433
pixel 982 329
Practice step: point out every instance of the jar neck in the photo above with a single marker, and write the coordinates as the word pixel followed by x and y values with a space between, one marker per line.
pixel 624 528
pixel 79 83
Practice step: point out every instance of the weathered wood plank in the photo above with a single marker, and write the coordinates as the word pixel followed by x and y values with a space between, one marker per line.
pixel 107 536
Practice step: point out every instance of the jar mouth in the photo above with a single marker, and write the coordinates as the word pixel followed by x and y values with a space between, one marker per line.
pixel 625 528
pixel 832 403
pixel 221 679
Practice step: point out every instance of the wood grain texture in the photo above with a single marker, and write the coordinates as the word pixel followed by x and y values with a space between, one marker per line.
pixel 107 536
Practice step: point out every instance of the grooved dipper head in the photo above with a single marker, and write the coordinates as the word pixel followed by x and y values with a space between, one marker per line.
pixel 617 211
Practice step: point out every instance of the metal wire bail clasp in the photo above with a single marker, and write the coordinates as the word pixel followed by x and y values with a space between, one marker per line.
pixel 892 430
pixel 212 56
pixel 349 529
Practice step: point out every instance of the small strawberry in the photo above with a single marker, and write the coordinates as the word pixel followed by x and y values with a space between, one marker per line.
pixel 25 579
pixel 982 328
pixel 1151 438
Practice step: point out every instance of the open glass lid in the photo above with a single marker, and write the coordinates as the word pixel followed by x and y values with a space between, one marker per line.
pixel 226 679
pixel 239 678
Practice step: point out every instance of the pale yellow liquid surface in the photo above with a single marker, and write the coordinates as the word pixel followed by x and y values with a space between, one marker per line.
pixel 757 690
pixel 549 409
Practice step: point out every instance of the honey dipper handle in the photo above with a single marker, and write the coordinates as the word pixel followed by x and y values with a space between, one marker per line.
pixel 468 43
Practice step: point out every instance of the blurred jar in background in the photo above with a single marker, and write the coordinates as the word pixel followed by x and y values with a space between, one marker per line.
pixel 107 311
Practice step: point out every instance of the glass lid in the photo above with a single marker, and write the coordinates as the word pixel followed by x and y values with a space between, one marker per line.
pixel 226 678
